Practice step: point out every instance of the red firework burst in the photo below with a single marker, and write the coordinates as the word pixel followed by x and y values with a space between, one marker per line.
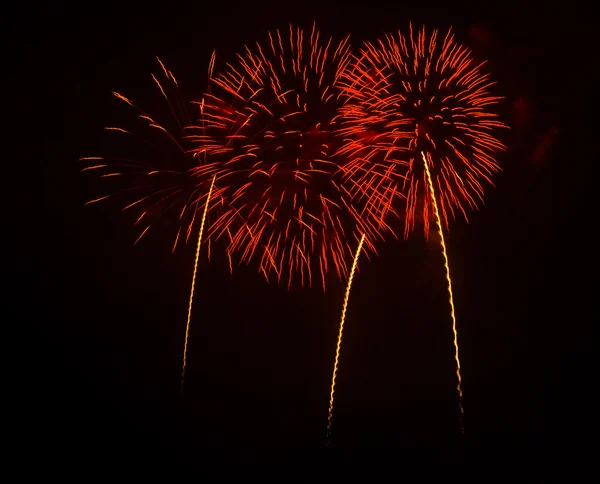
pixel 411 94
pixel 156 167
pixel 267 131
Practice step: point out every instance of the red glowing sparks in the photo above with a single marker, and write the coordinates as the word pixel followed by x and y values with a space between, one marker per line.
pixel 310 146
pixel 408 94
pixel 267 130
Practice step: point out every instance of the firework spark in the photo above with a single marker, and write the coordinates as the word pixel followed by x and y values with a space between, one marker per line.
pixel 406 94
pixel 268 135
pixel 339 341
pixel 189 316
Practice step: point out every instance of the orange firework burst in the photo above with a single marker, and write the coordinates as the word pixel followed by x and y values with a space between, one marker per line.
pixel 267 132
pixel 408 94
pixel 157 170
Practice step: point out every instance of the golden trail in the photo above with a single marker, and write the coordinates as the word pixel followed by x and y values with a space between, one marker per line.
pixel 189 317
pixel 451 298
pixel 339 341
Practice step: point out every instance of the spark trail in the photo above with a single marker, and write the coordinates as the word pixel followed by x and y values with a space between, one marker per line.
pixel 450 296
pixel 339 341
pixel 189 317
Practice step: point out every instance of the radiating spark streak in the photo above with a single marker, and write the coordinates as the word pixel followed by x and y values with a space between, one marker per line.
pixel 339 341
pixel 450 296
pixel 141 235
pixel 189 316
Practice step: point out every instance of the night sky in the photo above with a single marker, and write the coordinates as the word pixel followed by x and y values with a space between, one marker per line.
pixel 103 321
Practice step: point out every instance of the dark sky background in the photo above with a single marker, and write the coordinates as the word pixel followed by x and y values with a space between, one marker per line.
pixel 98 366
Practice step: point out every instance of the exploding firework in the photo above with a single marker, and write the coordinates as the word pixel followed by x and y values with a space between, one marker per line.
pixel 155 176
pixel 267 132
pixel 418 123
pixel 408 94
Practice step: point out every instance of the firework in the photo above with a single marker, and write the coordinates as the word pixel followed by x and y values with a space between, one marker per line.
pixel 163 176
pixel 418 122
pixel 267 133
pixel 339 341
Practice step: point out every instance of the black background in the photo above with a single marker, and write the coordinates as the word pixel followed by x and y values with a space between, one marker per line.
pixel 97 367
